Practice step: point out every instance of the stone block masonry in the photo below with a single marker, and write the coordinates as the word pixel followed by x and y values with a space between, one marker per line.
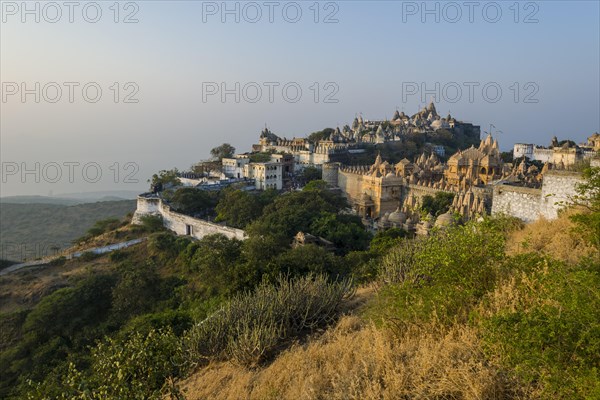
pixel 520 202
pixel 531 204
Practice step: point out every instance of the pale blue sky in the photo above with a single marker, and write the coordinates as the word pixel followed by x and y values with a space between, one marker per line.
pixel 374 50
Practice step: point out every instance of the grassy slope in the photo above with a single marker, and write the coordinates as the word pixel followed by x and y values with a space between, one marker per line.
pixel 29 230
pixel 360 360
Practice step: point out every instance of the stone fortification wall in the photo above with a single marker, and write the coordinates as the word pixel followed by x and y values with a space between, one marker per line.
pixel 179 223
pixel 520 202
pixel 531 204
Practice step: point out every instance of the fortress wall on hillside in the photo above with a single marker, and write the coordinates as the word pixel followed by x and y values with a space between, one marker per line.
pixel 531 204
pixel 179 223
pixel 520 202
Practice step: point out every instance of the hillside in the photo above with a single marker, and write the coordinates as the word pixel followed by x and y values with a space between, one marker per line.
pixel 29 231
pixel 71 198
pixel 485 326
pixel 480 309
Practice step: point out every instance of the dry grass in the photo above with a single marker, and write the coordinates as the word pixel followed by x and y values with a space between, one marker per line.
pixel 554 238
pixel 23 289
pixel 358 361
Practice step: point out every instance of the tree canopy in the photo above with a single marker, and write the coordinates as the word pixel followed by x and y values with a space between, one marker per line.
pixel 223 151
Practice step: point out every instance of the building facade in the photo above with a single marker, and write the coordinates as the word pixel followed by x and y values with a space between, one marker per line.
pixel 234 167
pixel 268 175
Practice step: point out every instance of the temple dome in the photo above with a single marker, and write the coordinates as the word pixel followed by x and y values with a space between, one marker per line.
pixel 397 217
pixel 446 219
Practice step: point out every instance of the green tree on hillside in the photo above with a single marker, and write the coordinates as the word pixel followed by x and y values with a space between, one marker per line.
pixel 438 204
pixel 193 201
pixel 238 207
pixel 223 151
pixel 320 135
pixel 310 174
pixel 345 231
pixel 588 197
pixel 165 178
pixel 294 212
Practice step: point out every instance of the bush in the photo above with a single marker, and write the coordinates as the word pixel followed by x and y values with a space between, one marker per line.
pixel 135 368
pixel 443 276
pixel 99 228
pixel 250 327
pixel 88 256
pixel 438 204
pixel 544 322
pixel 238 207
pixel 345 231
pixel 152 223
pixel 57 262
pixel 136 291
pixel 62 324
pixel 308 259
pixel 118 256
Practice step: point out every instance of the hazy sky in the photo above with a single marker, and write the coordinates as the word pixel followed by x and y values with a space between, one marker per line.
pixel 364 57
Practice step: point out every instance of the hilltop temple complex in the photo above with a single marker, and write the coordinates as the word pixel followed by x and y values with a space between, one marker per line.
pixel 350 139
pixel 391 195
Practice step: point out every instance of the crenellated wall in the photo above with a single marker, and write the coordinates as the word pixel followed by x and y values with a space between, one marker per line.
pixel 179 223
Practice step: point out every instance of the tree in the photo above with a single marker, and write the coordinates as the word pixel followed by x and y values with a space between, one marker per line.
pixel 308 259
pixel 165 178
pixel 223 151
pixel 261 157
pixel 193 201
pixel 137 290
pixel 507 157
pixel 294 212
pixel 310 174
pixel 588 198
pixel 345 231
pixel 238 207
pixel 212 261
pixel 438 204
pixel 320 135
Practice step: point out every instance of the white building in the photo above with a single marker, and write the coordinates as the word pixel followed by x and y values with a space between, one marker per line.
pixel 523 149
pixel 234 167
pixel 553 154
pixel 267 175
pixel 542 154
pixel 533 152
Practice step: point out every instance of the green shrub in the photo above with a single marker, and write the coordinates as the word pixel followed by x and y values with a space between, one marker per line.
pixel 250 327
pixel 99 228
pixel 383 241
pixel 61 325
pixel 438 204
pixel 305 260
pixel 57 262
pixel 136 291
pixel 152 223
pixel 134 368
pixel 88 256
pixel 118 256
pixel 551 337
pixel 177 320
pixel 443 276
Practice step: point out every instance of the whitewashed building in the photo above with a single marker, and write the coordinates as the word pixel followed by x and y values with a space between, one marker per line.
pixel 268 175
